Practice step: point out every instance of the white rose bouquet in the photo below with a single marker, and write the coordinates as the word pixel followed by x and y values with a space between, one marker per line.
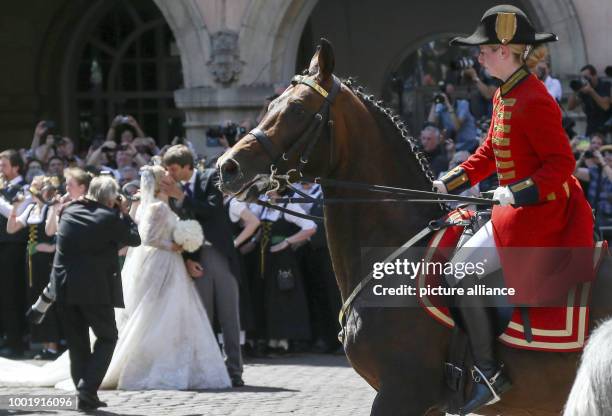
pixel 189 235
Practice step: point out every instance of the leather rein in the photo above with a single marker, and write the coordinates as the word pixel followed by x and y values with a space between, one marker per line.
pixel 306 143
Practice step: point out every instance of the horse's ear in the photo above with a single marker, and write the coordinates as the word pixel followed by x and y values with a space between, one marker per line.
pixel 323 61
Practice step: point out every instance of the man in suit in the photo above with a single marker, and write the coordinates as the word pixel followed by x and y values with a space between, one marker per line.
pixel 86 283
pixel 194 194
pixel 12 257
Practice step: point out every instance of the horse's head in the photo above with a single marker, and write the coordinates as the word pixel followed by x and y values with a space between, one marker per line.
pixel 295 135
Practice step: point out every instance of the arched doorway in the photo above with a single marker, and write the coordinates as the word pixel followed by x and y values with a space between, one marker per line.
pixel 123 60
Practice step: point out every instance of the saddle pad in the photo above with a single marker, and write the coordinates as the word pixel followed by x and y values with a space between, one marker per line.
pixel 558 329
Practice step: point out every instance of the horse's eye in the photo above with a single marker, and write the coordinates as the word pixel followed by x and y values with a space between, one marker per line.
pixel 297 109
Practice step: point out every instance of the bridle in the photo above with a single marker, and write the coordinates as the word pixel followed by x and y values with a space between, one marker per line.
pixel 311 134
pixel 307 141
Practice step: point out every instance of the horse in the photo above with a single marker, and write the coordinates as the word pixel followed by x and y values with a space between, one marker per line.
pixel 591 394
pixel 399 351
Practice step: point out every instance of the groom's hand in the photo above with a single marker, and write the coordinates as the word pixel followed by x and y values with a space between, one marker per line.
pixel 194 269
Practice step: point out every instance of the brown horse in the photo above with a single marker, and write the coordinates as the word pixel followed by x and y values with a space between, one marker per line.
pixel 399 351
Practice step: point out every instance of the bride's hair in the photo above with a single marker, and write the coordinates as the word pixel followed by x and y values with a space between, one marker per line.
pixel 158 173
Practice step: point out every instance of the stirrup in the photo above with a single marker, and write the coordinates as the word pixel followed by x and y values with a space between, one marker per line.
pixel 479 377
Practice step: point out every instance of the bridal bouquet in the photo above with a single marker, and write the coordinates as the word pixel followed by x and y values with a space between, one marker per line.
pixel 189 235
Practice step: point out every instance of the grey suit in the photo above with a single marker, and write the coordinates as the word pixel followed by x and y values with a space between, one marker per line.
pixel 218 287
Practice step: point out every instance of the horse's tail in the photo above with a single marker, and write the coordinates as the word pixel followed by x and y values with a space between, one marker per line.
pixel 591 393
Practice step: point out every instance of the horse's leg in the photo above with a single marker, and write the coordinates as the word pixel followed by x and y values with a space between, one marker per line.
pixel 399 399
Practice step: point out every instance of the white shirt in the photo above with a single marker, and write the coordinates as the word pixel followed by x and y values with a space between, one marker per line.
pixel 31 216
pixel 191 182
pixel 553 86
pixel 235 209
pixel 314 191
pixel 274 215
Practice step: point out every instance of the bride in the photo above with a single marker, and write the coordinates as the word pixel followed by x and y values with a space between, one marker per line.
pixel 165 339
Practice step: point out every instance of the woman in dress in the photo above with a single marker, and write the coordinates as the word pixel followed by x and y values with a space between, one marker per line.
pixel 39 259
pixel 284 306
pixel 165 339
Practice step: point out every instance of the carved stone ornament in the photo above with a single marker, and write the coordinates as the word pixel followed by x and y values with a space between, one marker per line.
pixel 225 64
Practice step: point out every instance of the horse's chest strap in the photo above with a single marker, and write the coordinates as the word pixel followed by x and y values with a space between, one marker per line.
pixel 435 225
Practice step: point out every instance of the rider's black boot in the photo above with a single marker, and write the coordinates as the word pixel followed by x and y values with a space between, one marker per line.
pixel 490 381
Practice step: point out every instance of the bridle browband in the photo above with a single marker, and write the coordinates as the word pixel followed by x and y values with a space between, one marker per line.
pixel 311 135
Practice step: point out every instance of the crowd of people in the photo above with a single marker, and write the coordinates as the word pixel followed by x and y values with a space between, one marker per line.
pixel 286 289
pixel 456 126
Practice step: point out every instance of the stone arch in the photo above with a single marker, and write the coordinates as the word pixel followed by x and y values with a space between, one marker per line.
pixel 276 27
pixel 558 16
pixel 192 38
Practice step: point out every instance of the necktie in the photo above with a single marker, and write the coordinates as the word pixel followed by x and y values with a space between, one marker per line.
pixel 187 190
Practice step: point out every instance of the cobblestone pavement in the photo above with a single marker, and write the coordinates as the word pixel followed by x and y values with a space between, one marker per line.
pixel 312 385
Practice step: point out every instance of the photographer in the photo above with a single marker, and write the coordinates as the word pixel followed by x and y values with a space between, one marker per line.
pixel 481 97
pixel 454 116
pixel 128 128
pixel 227 136
pixel 553 85
pixel 39 253
pixel 599 179
pixel 12 256
pixel 594 95
pixel 86 283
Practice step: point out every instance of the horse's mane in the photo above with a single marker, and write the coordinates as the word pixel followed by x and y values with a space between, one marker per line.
pixel 394 122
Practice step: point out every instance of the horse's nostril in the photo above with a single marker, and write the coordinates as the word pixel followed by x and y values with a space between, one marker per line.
pixel 229 168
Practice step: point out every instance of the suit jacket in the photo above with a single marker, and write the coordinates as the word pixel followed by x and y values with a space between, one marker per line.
pixel 86 265
pixel 206 206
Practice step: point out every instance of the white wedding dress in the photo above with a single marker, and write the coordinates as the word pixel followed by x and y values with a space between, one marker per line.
pixel 165 338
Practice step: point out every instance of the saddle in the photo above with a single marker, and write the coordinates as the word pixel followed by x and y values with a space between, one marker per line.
pixel 554 329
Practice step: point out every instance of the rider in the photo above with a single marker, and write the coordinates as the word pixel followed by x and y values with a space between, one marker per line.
pixel 540 203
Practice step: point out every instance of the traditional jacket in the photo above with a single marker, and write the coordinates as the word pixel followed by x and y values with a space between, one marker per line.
pixel 528 148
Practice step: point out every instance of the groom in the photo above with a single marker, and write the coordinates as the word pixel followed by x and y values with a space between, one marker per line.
pixel 193 194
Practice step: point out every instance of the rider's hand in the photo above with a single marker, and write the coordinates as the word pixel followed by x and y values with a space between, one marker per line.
pixel 503 195
pixel 440 187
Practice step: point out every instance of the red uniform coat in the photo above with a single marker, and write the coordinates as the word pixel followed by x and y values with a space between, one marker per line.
pixel 528 148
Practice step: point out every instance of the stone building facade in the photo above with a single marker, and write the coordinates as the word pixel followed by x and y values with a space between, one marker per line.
pixel 234 53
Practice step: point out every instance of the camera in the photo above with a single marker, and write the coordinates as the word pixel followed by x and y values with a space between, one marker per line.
pixel 588 154
pixel 50 125
pixel 462 63
pixel 608 71
pixel 438 98
pixel 230 131
pixel 577 84
pixel 124 120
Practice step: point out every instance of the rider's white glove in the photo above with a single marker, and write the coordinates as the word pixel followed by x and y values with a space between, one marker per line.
pixel 440 187
pixel 503 195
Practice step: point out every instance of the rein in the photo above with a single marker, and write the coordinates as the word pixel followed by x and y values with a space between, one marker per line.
pixel 316 128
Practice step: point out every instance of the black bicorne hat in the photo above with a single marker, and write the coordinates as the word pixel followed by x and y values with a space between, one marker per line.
pixel 504 25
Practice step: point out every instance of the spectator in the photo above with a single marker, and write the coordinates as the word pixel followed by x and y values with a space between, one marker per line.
pixel 77 183
pixel 128 128
pixel 594 97
pixel 481 98
pixel 430 140
pixel 56 166
pixel 40 251
pixel 65 150
pixel 454 116
pixel 553 85
pixel 33 168
pixel 599 178
pixel 12 257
